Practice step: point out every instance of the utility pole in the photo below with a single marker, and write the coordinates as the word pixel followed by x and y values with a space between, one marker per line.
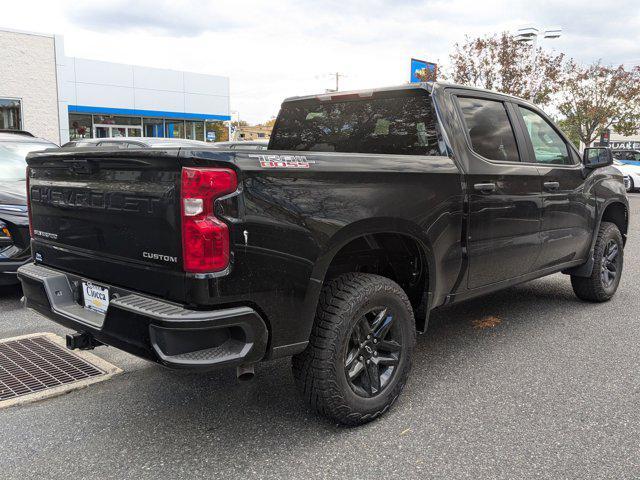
pixel 338 75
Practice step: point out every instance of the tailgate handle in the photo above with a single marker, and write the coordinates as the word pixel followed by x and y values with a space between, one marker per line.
pixel 485 187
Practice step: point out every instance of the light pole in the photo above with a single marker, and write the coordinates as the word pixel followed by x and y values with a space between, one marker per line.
pixel 531 34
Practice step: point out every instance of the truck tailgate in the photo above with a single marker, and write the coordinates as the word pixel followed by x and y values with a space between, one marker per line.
pixel 107 209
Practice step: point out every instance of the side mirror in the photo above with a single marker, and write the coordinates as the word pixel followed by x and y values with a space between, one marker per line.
pixel 596 157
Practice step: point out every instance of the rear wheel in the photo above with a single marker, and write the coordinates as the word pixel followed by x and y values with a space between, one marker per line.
pixel 608 256
pixel 359 354
pixel 630 185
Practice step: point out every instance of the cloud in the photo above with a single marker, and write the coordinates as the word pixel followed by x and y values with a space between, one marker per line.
pixel 272 50
pixel 181 18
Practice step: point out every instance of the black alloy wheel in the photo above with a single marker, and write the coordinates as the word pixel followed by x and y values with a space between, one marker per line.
pixel 373 352
pixel 609 269
pixel 359 353
pixel 608 261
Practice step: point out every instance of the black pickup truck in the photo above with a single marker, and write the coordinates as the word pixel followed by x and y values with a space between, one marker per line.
pixel 368 210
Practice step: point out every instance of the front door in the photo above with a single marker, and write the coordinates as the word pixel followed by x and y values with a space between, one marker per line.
pixel 504 193
pixel 567 221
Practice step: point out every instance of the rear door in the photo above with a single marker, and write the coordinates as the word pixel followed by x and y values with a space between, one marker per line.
pixel 567 206
pixel 504 192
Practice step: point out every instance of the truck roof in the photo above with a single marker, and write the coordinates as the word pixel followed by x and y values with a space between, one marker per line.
pixel 429 86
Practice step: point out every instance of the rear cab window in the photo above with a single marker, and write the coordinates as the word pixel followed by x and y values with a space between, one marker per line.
pixel 489 129
pixel 397 122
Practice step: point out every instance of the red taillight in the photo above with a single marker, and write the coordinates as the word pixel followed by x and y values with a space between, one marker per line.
pixel 29 203
pixel 205 238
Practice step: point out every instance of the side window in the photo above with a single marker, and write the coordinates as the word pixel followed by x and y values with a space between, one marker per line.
pixel 548 146
pixel 489 129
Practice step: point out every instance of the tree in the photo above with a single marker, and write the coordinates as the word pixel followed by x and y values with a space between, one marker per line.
pixel 239 123
pixel 501 63
pixel 597 97
pixel 269 123
pixel 220 129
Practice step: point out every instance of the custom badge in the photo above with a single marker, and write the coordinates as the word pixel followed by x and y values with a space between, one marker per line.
pixel 283 161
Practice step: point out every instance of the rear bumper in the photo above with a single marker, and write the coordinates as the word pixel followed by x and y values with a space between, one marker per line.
pixel 149 327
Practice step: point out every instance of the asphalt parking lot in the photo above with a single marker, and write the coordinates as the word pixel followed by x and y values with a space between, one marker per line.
pixel 529 382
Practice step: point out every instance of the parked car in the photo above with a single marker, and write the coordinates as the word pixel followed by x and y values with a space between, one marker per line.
pixel 14 220
pixel 134 142
pixel 243 145
pixel 631 172
pixel 371 209
pixel 628 156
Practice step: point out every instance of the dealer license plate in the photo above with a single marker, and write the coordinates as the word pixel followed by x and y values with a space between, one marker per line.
pixel 96 298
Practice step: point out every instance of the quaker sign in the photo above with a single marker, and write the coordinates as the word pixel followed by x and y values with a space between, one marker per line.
pixel 423 71
pixel 625 145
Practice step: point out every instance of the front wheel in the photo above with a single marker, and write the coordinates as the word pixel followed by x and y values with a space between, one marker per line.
pixel 630 186
pixel 608 256
pixel 359 353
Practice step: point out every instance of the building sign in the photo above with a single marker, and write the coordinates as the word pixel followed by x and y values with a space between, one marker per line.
pixel 423 71
pixel 625 145
pixel 211 136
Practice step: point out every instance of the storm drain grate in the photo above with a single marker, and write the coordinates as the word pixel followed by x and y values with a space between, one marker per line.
pixel 34 364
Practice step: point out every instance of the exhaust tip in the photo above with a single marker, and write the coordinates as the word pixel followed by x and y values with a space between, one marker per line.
pixel 244 373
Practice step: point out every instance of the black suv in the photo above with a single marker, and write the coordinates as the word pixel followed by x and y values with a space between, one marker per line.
pixel 14 220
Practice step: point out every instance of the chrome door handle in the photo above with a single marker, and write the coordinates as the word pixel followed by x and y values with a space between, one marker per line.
pixel 485 187
pixel 551 185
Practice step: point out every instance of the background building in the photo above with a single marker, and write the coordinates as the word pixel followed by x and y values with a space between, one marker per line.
pixel 60 98
pixel 28 85
pixel 255 132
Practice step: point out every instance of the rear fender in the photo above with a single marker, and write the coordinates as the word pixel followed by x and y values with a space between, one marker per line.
pixel 352 232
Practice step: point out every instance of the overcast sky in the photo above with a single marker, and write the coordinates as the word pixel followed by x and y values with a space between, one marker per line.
pixel 272 50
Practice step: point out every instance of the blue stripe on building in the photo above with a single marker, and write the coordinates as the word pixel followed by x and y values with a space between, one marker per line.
pixel 145 113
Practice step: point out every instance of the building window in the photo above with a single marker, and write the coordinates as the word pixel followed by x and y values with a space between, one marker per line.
pixel 10 118
pixel 195 130
pixel 153 127
pixel 174 128
pixel 116 120
pixel 217 131
pixel 79 126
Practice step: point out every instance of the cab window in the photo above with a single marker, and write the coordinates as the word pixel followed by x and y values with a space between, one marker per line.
pixel 548 145
pixel 489 129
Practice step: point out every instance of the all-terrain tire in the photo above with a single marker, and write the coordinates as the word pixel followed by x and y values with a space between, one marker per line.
pixel 319 371
pixel 594 288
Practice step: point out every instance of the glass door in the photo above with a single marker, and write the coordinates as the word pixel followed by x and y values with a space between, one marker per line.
pixel 101 131
pixel 110 131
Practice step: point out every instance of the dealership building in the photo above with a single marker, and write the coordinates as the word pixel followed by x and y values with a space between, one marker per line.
pixel 62 98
